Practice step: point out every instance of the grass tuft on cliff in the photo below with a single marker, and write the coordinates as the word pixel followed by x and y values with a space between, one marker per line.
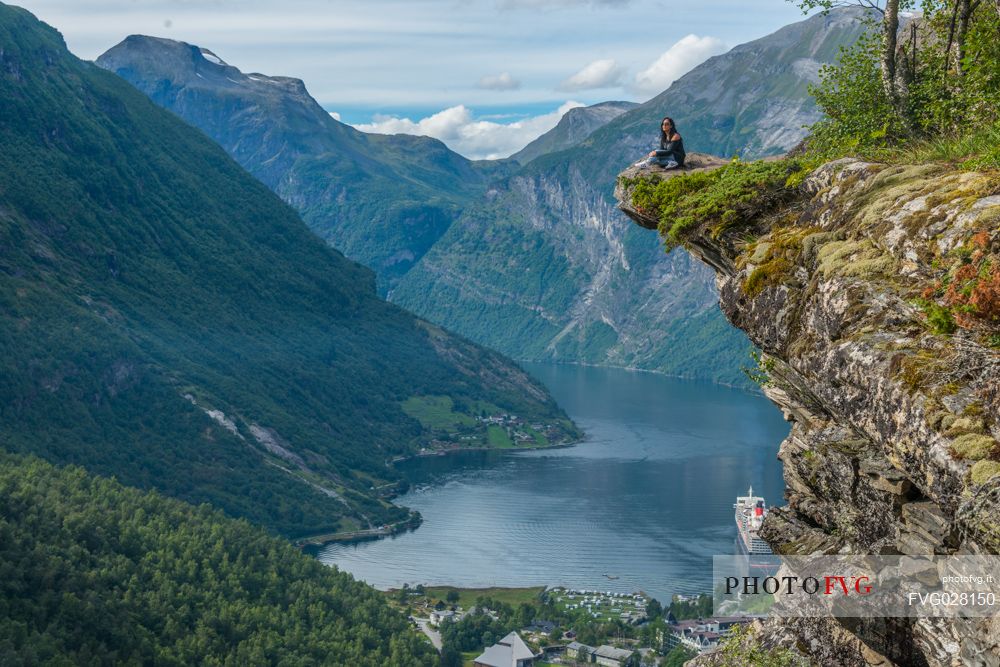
pixel 720 199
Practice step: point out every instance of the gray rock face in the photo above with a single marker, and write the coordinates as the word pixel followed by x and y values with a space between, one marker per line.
pixel 575 126
pixel 884 411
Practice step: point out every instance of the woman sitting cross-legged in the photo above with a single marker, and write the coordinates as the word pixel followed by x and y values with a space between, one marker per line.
pixel 670 154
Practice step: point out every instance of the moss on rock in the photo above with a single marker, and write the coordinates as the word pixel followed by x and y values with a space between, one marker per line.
pixel 859 259
pixel 983 471
pixel 973 446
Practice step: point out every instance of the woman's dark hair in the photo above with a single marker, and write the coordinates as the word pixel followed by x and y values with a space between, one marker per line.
pixel 663 135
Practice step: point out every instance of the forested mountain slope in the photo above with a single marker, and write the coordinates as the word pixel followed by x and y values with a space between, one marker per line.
pixel 95 573
pixel 167 319
pixel 383 200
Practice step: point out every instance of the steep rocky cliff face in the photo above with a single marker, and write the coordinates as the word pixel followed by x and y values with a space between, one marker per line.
pixel 874 296
pixel 544 267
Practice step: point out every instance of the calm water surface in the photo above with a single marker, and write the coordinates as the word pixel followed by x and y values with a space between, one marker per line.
pixel 647 498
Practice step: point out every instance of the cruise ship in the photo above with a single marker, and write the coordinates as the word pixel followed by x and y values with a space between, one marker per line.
pixel 750 513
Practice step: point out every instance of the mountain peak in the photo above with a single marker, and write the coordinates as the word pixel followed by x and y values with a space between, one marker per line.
pixel 175 65
pixel 574 126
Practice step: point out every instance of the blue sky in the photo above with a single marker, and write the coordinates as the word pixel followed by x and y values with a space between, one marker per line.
pixel 485 76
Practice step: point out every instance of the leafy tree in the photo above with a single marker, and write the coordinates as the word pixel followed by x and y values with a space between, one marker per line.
pixel 678 656
pixel 92 572
pixel 889 9
pixel 888 37
pixel 654 609
pixel 450 657
pixel 947 84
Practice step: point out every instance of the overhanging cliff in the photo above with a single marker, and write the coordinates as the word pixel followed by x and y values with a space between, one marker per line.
pixel 874 293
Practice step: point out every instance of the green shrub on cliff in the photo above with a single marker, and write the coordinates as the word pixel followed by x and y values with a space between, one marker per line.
pixel 741 649
pixel 720 199
pixel 944 102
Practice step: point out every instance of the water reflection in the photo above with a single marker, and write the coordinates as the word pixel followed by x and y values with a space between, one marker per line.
pixel 647 498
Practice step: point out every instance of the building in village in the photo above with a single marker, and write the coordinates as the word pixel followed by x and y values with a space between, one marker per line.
pixel 580 652
pixel 609 656
pixel 701 634
pixel 443 616
pixel 511 651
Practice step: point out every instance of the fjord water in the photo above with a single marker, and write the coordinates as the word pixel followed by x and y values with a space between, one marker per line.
pixel 643 504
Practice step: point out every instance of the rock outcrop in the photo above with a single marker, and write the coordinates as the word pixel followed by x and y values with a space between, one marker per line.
pixel 858 294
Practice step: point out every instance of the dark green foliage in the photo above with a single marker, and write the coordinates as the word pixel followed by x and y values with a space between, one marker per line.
pixel 475 631
pixel 949 98
pixel 717 199
pixel 939 318
pixel 450 657
pixel 96 573
pixel 700 607
pixel 678 656
pixel 654 609
pixel 146 278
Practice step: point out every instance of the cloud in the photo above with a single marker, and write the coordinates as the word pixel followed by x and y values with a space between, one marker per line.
pixel 598 74
pixel 502 81
pixel 473 137
pixel 559 4
pixel 335 115
pixel 679 59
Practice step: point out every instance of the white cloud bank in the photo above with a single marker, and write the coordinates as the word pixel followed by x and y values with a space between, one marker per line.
pixel 474 138
pixel 598 74
pixel 678 60
pixel 502 81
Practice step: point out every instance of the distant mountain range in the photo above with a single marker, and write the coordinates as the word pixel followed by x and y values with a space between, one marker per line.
pixel 383 200
pixel 533 261
pixel 168 320
pixel 543 266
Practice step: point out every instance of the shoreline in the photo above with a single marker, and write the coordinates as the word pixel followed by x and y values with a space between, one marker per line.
pixel 461 450
pixel 320 540
pixel 675 376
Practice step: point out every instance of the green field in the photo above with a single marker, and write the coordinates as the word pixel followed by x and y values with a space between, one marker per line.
pixel 458 424
pixel 467 596
pixel 496 436
pixel 437 412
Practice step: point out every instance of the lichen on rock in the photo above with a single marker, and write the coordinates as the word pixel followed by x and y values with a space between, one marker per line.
pixel 868 287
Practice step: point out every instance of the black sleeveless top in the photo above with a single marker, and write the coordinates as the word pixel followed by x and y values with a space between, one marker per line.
pixel 675 147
